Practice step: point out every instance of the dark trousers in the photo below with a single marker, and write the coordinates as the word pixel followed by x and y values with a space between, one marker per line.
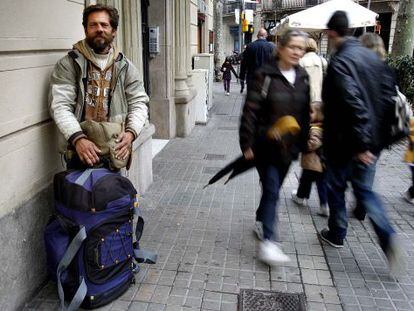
pixel 305 185
pixel 411 189
pixel 359 174
pixel 226 83
pixel 271 177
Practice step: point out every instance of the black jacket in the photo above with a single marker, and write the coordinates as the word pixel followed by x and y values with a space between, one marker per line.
pixel 227 69
pixel 255 56
pixel 353 96
pixel 259 113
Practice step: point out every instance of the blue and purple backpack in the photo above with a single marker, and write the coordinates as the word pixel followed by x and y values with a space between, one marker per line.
pixel 92 249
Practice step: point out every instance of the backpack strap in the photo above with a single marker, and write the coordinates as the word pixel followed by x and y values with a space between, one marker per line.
pixel 145 256
pixel 83 177
pixel 70 253
pixel 142 255
pixel 265 87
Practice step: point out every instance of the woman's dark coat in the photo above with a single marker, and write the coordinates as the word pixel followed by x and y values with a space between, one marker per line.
pixel 260 113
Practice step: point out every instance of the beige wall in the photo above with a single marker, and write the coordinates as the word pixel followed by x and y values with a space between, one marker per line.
pixel 210 15
pixel 228 40
pixel 193 27
pixel 31 41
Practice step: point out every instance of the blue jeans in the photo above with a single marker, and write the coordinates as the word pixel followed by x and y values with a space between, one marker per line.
pixel 360 177
pixel 368 180
pixel 272 177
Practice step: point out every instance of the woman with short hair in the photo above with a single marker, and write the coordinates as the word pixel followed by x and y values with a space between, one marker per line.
pixel 274 129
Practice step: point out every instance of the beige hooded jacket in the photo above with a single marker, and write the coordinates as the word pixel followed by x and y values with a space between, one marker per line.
pixel 67 93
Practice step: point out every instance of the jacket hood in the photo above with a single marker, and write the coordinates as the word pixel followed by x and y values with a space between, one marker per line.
pixel 87 52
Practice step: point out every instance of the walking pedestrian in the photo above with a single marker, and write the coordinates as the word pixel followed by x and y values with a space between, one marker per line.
pixel 353 103
pixel 409 159
pixel 256 54
pixel 312 164
pixel 315 65
pixel 227 69
pixel 313 170
pixel 278 93
pixel 373 42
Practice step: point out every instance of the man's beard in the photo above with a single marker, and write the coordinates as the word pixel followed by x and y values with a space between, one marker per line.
pixel 99 45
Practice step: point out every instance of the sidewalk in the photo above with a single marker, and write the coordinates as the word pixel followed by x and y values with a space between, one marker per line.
pixel 207 251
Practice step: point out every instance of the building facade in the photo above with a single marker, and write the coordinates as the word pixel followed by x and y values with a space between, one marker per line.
pixel 233 38
pixel 31 41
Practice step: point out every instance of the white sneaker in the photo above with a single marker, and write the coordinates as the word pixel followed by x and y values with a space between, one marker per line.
pixel 408 197
pixel 271 254
pixel 396 258
pixel 258 230
pixel 227 93
pixel 297 200
pixel 323 210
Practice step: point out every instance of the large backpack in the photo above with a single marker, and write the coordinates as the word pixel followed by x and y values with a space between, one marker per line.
pixel 92 249
pixel 400 117
pixel 395 110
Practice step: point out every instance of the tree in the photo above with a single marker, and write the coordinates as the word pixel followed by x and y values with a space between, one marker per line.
pixel 403 43
pixel 218 33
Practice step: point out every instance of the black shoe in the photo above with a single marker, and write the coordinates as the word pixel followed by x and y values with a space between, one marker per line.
pixel 328 238
pixel 359 213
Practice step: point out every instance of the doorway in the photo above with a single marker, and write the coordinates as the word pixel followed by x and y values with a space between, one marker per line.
pixel 145 45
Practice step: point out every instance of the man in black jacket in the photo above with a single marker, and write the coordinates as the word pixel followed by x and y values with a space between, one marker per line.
pixel 256 54
pixel 353 105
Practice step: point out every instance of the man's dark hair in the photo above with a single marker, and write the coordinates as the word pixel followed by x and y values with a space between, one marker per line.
pixel 339 23
pixel 112 12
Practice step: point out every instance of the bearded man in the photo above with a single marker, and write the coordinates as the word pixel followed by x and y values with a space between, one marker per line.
pixel 95 81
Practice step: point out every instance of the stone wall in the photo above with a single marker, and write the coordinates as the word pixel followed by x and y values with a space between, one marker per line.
pixel 31 41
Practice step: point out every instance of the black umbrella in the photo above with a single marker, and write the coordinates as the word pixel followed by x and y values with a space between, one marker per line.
pixel 280 130
pixel 235 168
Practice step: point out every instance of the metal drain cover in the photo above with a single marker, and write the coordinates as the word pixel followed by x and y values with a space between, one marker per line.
pixel 256 300
pixel 228 128
pixel 212 156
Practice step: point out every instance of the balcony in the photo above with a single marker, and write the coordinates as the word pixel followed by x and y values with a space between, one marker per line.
pixel 286 5
pixel 229 7
pixel 202 7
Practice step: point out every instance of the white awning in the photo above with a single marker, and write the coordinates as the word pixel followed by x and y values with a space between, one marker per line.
pixel 316 18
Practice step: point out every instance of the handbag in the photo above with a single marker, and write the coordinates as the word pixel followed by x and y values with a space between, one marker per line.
pixel 104 136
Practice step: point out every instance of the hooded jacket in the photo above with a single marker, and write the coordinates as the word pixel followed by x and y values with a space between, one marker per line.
pixel 67 93
pixel 354 96
pixel 261 112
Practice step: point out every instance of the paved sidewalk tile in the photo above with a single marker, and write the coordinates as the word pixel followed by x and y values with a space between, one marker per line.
pixel 207 250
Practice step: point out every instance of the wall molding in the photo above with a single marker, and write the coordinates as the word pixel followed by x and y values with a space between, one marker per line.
pixel 18 44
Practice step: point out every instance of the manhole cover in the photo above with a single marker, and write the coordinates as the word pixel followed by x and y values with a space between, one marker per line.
pixel 212 156
pixel 256 300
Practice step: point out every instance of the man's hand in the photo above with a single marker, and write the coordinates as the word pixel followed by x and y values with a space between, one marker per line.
pixel 124 143
pixel 366 157
pixel 87 151
pixel 248 154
